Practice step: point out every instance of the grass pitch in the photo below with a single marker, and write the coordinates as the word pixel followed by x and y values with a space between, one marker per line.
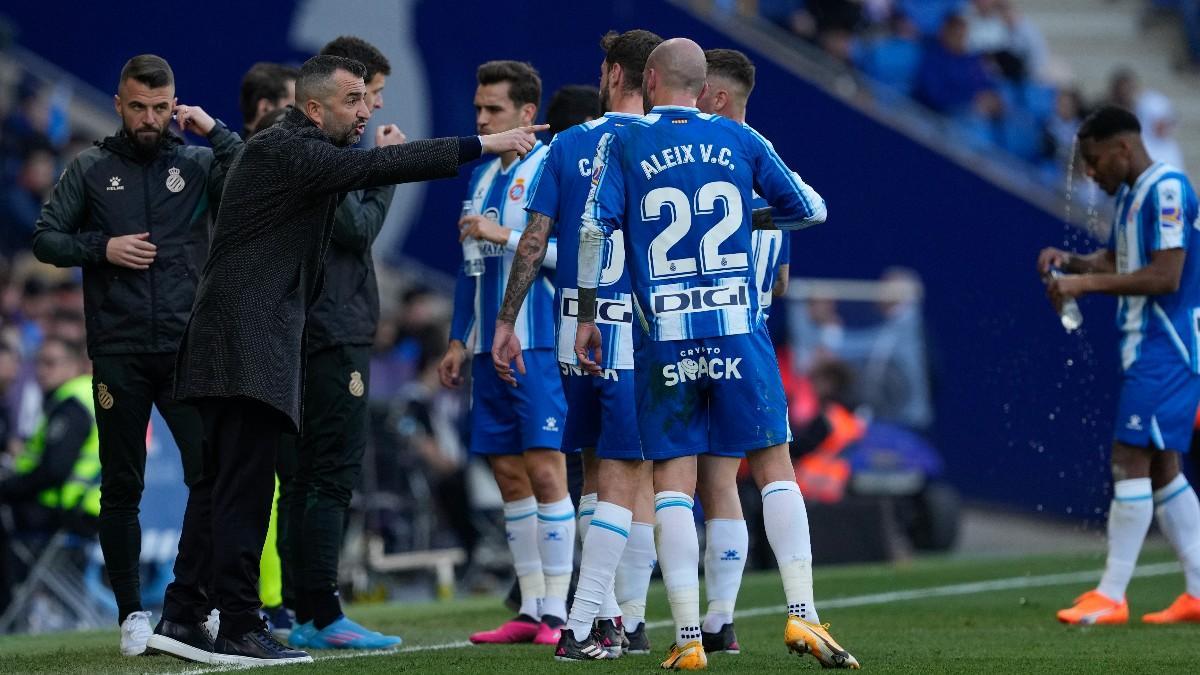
pixel 931 616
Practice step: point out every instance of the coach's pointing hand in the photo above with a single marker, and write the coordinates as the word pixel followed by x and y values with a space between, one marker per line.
pixel 520 140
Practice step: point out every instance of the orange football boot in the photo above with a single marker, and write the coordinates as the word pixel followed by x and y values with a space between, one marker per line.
pixel 1185 609
pixel 1095 608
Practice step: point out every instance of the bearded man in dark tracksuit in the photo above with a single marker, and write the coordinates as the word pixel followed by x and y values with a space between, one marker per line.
pixel 133 212
pixel 242 355
pixel 317 475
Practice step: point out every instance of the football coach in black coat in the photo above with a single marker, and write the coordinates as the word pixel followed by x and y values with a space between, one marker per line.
pixel 242 355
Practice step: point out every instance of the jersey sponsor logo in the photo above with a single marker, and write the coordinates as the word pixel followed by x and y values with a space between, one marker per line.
pixel 490 249
pixel 701 299
pixel 607 310
pixel 114 184
pixel 570 370
pixel 517 190
pixel 709 364
pixel 175 181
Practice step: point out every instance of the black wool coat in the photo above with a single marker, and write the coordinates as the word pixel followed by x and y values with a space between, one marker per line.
pixel 266 262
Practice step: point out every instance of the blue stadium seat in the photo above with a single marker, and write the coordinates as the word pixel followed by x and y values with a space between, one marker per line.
pixel 891 61
pixel 929 14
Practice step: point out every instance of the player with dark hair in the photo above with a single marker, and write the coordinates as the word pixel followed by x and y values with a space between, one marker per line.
pixel 265 87
pixel 615 510
pixel 1150 265
pixel 730 80
pixel 519 431
pixel 571 104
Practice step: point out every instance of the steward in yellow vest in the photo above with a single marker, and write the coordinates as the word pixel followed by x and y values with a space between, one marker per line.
pixel 59 470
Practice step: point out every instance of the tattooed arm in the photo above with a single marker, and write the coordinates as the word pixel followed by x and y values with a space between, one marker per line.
pixel 531 251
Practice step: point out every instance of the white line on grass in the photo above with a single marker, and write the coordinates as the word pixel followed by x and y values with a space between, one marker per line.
pixel 968 588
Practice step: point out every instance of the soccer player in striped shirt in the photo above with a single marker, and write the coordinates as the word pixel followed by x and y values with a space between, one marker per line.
pixel 730 81
pixel 618 534
pixel 1151 265
pixel 679 182
pixel 518 430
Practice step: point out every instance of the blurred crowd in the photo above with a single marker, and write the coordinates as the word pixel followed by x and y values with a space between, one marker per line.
pixel 981 64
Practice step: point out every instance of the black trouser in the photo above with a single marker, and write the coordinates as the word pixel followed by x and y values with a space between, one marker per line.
pixel 124 388
pixel 328 458
pixel 227 515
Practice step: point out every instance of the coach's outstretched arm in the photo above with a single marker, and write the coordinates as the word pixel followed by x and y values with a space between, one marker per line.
pixel 325 168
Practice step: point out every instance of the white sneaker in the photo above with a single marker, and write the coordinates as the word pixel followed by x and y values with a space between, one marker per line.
pixel 213 623
pixel 135 630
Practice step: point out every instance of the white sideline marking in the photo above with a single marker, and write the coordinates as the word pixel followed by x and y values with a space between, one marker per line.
pixel 967 588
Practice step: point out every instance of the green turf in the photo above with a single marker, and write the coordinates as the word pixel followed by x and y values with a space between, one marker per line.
pixel 994 632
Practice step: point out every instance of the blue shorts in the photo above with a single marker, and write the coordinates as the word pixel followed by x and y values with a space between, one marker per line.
pixel 1157 407
pixel 600 413
pixel 720 396
pixel 508 420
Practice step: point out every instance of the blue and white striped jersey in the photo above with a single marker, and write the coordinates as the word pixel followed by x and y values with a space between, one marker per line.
pixel 1158 213
pixel 560 192
pixel 500 194
pixel 772 248
pixel 680 183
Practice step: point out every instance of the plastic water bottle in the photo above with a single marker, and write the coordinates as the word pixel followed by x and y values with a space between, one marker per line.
pixel 472 254
pixel 1070 315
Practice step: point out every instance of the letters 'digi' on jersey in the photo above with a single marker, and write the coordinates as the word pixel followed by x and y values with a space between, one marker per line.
pixel 560 191
pixel 679 183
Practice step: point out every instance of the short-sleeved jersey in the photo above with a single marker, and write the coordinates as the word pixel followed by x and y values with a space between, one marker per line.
pixel 679 183
pixel 560 191
pixel 1158 213
pixel 500 194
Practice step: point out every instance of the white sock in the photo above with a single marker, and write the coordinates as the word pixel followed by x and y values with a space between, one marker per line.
pixel 726 544
pixel 587 507
pixel 786 522
pixel 520 522
pixel 1178 513
pixel 1129 517
pixel 633 575
pixel 602 549
pixel 556 544
pixel 679 557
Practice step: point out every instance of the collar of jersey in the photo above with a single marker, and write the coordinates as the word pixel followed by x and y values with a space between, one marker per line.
pixel 622 116
pixel 674 108
pixel 519 161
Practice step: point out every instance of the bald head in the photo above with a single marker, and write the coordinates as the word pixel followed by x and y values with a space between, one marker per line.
pixel 675 70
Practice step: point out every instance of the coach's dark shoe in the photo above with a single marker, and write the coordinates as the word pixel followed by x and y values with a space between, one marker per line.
pixel 570 649
pixel 610 636
pixel 636 641
pixel 187 641
pixel 723 641
pixel 256 648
